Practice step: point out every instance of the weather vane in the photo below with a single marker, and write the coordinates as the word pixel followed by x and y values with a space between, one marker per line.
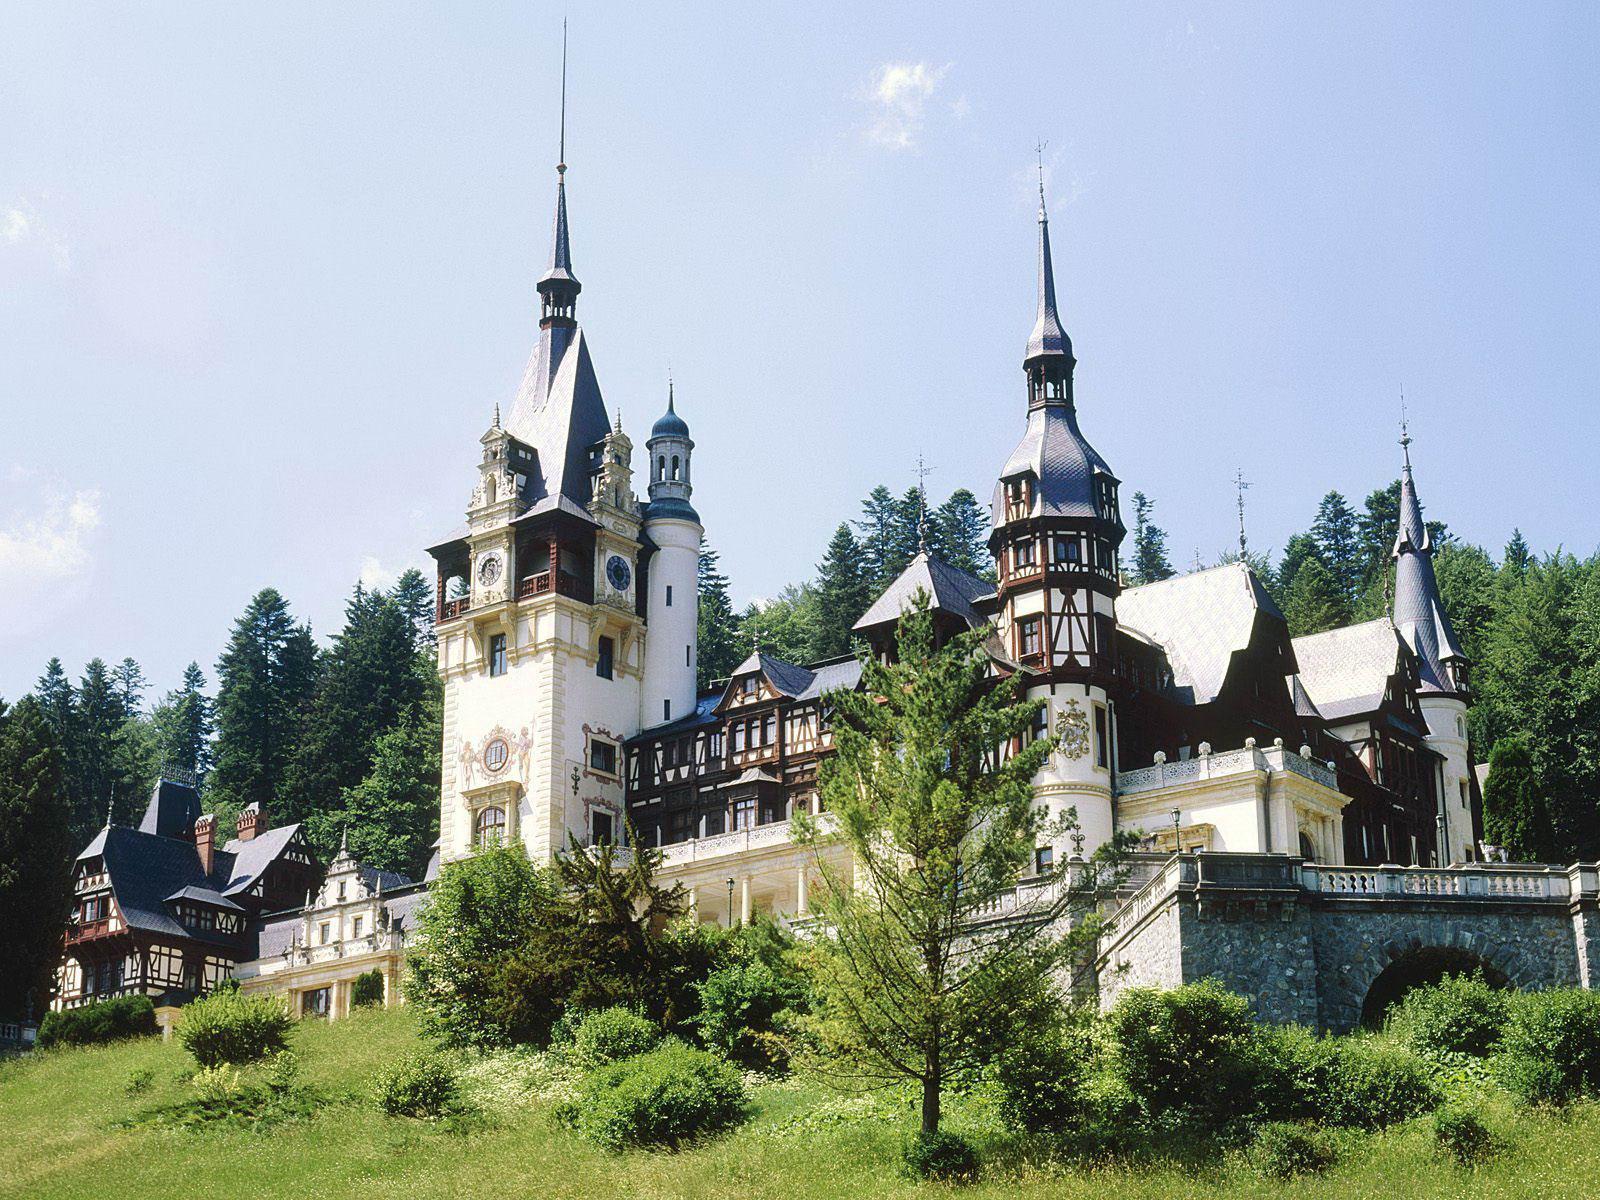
pixel 923 471
pixel 1240 485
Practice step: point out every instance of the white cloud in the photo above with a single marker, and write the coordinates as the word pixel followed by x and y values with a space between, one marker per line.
pixel 900 93
pixel 21 226
pixel 373 574
pixel 42 549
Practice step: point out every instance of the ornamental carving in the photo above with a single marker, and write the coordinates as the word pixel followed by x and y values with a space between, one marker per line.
pixel 490 758
pixel 1072 730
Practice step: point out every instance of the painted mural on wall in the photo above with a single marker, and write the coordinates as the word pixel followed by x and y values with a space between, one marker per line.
pixel 498 754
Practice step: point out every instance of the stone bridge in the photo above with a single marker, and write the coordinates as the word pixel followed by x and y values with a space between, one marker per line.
pixel 1332 947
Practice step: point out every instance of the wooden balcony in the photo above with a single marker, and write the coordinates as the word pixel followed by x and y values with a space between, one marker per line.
pixel 565 584
pixel 451 609
pixel 87 931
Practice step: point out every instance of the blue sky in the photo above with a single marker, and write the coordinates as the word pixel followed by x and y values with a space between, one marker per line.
pixel 264 270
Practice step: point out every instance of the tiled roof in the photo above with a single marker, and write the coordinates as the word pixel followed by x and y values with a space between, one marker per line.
pixel 1346 671
pixel 1047 336
pixel 1201 620
pixel 832 677
pixel 1063 463
pixel 559 412
pixel 1418 610
pixel 949 589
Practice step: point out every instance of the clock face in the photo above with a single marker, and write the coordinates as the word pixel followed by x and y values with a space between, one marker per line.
pixel 489 569
pixel 618 572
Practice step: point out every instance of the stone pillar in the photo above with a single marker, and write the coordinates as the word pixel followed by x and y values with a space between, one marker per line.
pixel 744 900
pixel 802 900
pixel 694 904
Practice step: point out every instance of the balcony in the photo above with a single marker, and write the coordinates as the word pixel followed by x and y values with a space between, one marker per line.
pixel 564 583
pixel 1206 765
pixel 88 931
pixel 451 609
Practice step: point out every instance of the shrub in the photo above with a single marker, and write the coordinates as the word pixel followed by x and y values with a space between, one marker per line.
pixel 1366 1084
pixel 1459 1015
pixel 611 1035
pixel 939 1155
pixel 1283 1150
pixel 742 1007
pixel 103 1021
pixel 366 989
pixel 139 1082
pixel 231 1027
pixel 672 1095
pixel 1191 1050
pixel 1463 1136
pixel 421 1084
pixel 1041 1080
pixel 1550 1053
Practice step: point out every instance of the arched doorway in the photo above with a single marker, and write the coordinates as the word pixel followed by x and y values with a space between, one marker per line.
pixel 1418 968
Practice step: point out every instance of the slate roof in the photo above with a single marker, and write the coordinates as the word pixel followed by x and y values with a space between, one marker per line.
pixel 1201 620
pixel 949 589
pixel 205 895
pixel 145 870
pixel 669 423
pixel 1418 611
pixel 832 677
pixel 1065 466
pixel 1047 336
pixel 704 713
pixel 784 676
pixel 1346 671
pixel 560 413
pixel 174 807
pixel 240 864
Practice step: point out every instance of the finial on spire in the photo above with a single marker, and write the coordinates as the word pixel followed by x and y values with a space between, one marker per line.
pixel 1038 149
pixel 1405 430
pixel 669 391
pixel 496 424
pixel 1240 485
pixel 561 157
pixel 617 426
pixel 923 471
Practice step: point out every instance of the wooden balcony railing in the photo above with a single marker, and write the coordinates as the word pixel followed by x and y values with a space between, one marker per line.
pixel 88 930
pixel 451 609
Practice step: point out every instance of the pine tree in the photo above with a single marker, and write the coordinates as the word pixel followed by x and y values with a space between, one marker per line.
pixel 128 678
pixel 1339 547
pixel 184 723
pixel 265 679
pixel 1376 529
pixel 109 784
pixel 879 514
pixel 1516 808
pixel 368 678
pixel 1150 564
pixel 1517 556
pixel 1296 551
pixel 414 594
pixel 936 827
pixel 786 627
pixel 1313 601
pixel 392 816
pixel 718 626
pixel 842 593
pixel 36 849
pixel 58 702
pixel 910 515
pixel 962 527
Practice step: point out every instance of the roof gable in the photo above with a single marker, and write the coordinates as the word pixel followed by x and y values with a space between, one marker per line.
pixel 949 589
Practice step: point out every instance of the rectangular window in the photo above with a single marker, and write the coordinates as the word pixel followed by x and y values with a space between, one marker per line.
pixel 1024 551
pixel 604 658
pixel 1041 724
pixel 602 829
pixel 743 815
pixel 769 729
pixel 323 931
pixel 669 595
pixel 355 927
pixel 1028 641
pixel 497 654
pixel 686 661
pixel 603 756
pixel 1102 753
pixel 1043 858
pixel 666 710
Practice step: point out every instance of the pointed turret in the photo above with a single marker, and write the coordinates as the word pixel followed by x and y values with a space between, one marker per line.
pixel 1418 611
pixel 558 286
pixel 1049 360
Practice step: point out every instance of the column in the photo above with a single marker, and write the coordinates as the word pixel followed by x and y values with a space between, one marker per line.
pixel 694 905
pixel 744 900
pixel 802 905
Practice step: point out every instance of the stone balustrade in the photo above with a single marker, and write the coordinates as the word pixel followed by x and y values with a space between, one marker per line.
pixel 1486 881
pixel 1209 765
pixel 300 956
pixel 718 845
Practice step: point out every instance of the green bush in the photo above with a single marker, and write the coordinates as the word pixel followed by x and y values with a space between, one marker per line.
pixel 1191 1051
pixel 103 1021
pixel 366 989
pixel 1283 1150
pixel 1041 1078
pixel 611 1035
pixel 940 1155
pixel 672 1095
pixel 1459 1015
pixel 1463 1136
pixel 1550 1053
pixel 231 1027
pixel 139 1082
pixel 420 1084
pixel 742 1010
pixel 1366 1084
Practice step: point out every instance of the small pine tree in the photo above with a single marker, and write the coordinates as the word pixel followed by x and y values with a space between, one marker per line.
pixel 183 725
pixel 1150 563
pixel 1339 547
pixel 843 592
pixel 1313 601
pixel 880 514
pixel 718 625
pixel 1516 808
pixel 962 528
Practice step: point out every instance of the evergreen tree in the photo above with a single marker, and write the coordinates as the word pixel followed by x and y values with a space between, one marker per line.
pixel 843 593
pixel 58 702
pixel 910 514
pixel 1339 547
pixel 1376 528
pixel 109 760
pixel 1517 556
pixel 369 677
pixel 183 724
pixel 392 816
pixel 787 626
pixel 1313 601
pixel 414 594
pixel 880 513
pixel 1466 578
pixel 937 827
pixel 1296 551
pixel 1150 564
pixel 718 626
pixel 1516 808
pixel 36 849
pixel 962 528
pixel 265 679
pixel 128 678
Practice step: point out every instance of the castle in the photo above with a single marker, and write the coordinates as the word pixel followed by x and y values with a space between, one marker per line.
pixel 567 648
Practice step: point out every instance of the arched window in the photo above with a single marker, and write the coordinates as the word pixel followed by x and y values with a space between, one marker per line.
pixel 674 466
pixel 661 467
pixel 1307 850
pixel 488 490
pixel 491 827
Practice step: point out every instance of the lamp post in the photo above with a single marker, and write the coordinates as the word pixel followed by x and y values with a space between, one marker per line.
pixel 730 904
pixel 1177 846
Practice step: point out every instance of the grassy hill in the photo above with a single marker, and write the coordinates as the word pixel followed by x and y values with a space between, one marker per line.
pixel 65 1132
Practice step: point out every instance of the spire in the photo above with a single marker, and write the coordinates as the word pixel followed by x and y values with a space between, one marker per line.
pixel 559 287
pixel 1419 613
pixel 1049 360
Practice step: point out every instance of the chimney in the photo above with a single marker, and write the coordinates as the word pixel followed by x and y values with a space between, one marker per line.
pixel 205 828
pixel 252 821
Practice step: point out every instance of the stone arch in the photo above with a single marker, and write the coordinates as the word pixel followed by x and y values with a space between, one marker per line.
pixel 1417 967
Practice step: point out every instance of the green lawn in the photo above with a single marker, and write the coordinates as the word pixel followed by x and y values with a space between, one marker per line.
pixel 60 1137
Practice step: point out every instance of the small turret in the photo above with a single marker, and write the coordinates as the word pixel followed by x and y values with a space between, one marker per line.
pixel 670 448
pixel 672 608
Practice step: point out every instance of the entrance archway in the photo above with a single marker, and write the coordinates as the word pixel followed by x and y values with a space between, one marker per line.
pixel 1419 968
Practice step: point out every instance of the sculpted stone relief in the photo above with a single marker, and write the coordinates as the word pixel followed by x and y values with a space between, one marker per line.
pixel 1072 730
pixel 492 756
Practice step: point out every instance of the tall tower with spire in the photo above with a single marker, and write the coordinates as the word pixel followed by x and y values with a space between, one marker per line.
pixel 1056 533
pixel 671 525
pixel 1443 692
pixel 541 615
